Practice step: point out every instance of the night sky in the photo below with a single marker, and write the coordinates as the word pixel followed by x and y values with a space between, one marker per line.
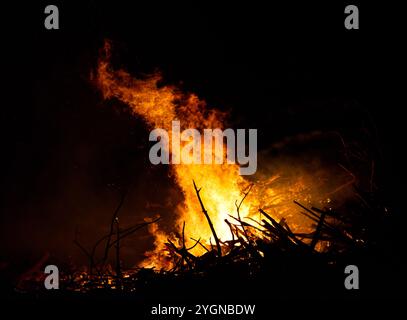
pixel 285 70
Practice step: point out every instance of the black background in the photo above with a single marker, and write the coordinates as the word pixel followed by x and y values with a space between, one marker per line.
pixel 283 69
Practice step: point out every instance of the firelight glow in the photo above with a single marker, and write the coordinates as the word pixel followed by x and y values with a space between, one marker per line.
pixel 222 185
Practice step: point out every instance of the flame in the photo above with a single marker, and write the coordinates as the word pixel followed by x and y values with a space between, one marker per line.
pixel 221 185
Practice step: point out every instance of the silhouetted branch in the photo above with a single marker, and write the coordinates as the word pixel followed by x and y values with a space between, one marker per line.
pixel 116 212
pixel 209 221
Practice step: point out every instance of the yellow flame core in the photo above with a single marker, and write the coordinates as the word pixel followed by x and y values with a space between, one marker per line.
pixel 221 184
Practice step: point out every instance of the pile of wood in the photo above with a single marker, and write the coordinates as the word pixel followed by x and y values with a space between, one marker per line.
pixel 263 250
pixel 252 239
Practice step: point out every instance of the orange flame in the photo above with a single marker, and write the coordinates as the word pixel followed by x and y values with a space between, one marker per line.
pixel 221 185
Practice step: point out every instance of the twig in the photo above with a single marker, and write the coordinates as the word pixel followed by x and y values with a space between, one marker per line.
pixel 238 212
pixel 196 243
pixel 86 252
pixel 183 235
pixel 76 242
pixel 315 239
pixel 126 232
pixel 199 242
pixel 118 268
pixel 112 226
pixel 230 227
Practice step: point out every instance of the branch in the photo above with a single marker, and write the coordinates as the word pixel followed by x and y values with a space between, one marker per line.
pixel 199 242
pixel 209 220
pixel 112 226
pixel 238 212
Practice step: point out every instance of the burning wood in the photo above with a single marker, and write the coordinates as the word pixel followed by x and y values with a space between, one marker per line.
pixel 163 106
pixel 253 246
pixel 267 222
